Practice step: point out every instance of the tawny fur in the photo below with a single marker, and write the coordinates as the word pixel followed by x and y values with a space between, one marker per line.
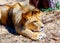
pixel 4 13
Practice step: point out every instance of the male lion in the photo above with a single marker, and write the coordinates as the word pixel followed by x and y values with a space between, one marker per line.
pixel 26 19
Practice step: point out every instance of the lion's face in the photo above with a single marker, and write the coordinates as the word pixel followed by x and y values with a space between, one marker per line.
pixel 32 21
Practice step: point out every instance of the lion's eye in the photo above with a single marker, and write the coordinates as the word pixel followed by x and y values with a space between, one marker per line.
pixel 42 27
pixel 34 21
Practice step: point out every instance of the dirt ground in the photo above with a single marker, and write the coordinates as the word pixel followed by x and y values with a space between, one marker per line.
pixel 51 28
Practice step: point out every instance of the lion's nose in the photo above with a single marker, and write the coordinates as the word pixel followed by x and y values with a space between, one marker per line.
pixel 41 28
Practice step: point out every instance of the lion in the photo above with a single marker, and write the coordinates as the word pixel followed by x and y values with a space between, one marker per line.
pixel 27 23
pixel 26 19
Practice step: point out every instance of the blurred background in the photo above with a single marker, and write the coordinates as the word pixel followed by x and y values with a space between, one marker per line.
pixel 44 5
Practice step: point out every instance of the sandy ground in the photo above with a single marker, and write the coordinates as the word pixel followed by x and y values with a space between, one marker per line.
pixel 51 29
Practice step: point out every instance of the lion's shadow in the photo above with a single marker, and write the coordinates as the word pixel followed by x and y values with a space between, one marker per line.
pixel 11 29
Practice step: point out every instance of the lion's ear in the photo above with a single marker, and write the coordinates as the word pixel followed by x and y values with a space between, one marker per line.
pixel 4 9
